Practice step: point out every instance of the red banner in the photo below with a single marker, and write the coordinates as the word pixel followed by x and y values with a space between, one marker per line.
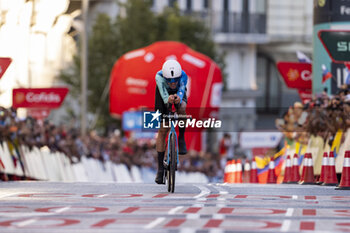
pixel 296 75
pixel 305 95
pixel 4 63
pixel 39 113
pixel 133 78
pixel 38 97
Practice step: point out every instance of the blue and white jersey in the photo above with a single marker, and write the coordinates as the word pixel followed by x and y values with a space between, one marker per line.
pixel 164 88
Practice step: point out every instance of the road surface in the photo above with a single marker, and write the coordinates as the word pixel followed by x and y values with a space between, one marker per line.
pixel 52 207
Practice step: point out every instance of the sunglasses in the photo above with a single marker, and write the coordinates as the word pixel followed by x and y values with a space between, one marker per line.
pixel 173 80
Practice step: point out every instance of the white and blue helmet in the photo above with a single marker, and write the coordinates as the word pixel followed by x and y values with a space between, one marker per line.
pixel 171 70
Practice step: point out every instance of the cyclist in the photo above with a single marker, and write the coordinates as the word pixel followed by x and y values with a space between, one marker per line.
pixel 170 89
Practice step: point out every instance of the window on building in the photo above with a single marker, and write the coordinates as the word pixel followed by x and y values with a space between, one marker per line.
pixel 189 5
pixel 260 6
pixel 269 84
pixel 245 17
pixel 225 17
pixel 172 3
pixel 205 4
pixel 226 6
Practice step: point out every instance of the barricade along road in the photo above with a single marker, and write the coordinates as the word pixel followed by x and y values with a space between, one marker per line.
pixel 110 207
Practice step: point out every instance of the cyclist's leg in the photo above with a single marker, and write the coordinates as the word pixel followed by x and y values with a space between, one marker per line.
pixel 160 143
pixel 182 111
pixel 160 146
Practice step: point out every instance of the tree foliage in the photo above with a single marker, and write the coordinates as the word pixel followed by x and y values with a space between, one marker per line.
pixel 135 26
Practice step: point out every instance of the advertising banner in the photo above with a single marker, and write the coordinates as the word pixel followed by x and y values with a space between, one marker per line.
pixel 39 113
pixel 133 82
pixel 305 95
pixel 337 44
pixel 38 97
pixel 296 75
pixel 250 140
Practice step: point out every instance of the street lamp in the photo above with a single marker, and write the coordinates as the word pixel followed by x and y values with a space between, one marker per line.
pixel 84 65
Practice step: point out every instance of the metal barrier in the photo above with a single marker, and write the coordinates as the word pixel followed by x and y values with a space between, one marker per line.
pixel 43 164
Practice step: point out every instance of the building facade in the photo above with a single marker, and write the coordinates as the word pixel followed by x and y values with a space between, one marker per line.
pixel 253 34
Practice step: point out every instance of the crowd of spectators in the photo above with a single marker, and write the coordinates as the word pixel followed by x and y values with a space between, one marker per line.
pixel 322 116
pixel 114 147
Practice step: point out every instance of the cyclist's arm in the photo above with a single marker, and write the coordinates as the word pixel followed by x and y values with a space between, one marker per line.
pixel 161 84
pixel 182 88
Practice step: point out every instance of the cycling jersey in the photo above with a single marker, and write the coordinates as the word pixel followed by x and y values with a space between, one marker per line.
pixel 164 88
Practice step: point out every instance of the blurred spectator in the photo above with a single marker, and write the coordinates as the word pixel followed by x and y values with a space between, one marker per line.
pixel 67 139
pixel 226 149
pixel 322 116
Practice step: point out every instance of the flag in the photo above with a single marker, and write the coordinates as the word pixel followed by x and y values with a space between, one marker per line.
pixel 336 142
pixel 303 58
pixel 347 80
pixel 325 74
pixel 347 64
pixel 262 164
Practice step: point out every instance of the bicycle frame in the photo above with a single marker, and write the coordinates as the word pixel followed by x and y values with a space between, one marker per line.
pixel 173 131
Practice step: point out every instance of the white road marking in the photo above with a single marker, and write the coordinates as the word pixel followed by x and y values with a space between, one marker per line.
pixel 294 197
pixel 221 190
pixel 174 210
pixel 60 210
pixel 154 223
pixel 187 230
pixel 289 212
pixel 103 195
pixel 204 191
pixel 7 194
pixel 198 205
pixel 218 216
pixel 26 222
pixel 216 231
pixel 192 216
pixel 22 215
pixel 286 225
pixel 221 205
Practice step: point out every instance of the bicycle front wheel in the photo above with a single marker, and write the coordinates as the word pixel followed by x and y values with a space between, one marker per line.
pixel 173 161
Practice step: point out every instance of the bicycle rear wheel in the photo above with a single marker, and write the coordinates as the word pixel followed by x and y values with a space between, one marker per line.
pixel 173 161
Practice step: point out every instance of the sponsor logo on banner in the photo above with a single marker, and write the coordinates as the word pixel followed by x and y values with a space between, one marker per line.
pixel 305 95
pixel 38 113
pixel 293 74
pixel 296 74
pixel 306 75
pixel 38 97
pixel 136 85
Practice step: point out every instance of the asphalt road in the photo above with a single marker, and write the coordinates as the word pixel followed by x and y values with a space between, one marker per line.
pixel 214 208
